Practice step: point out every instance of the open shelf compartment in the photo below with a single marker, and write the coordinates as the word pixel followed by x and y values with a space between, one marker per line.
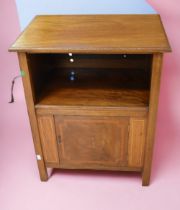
pixel 121 80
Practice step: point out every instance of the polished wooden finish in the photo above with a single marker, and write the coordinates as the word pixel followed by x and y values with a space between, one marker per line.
pixel 136 145
pixel 100 168
pixel 29 94
pixel 78 96
pixel 92 142
pixel 48 139
pixel 93 111
pixel 93 34
pixel 153 106
pixel 104 118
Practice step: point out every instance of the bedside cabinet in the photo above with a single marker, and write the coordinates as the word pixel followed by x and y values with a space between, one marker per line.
pixel 91 84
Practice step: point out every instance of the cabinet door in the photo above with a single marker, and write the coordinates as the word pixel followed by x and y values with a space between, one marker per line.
pixel 48 139
pixel 92 142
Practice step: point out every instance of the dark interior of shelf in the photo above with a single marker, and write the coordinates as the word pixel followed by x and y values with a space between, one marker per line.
pixel 91 80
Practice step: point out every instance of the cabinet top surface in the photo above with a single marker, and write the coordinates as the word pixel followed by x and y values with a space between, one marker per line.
pixel 93 34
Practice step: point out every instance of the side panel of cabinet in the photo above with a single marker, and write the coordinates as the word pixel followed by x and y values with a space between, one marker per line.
pixel 92 142
pixel 136 142
pixel 48 139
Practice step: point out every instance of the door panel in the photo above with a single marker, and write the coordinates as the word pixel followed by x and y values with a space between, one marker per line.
pixel 92 142
pixel 136 142
pixel 48 139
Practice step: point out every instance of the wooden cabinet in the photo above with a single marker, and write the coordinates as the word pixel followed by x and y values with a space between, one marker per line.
pixel 91 84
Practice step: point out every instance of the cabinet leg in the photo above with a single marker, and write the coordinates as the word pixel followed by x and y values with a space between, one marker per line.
pixel 154 92
pixel 145 177
pixel 42 171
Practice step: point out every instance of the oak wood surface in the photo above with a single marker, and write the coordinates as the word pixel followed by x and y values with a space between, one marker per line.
pixel 29 95
pixel 153 107
pixel 59 92
pixel 93 34
pixel 100 168
pixel 137 136
pixel 48 139
pixel 92 111
pixel 92 142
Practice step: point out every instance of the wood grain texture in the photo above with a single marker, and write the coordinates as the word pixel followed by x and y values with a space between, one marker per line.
pixel 154 94
pixel 136 143
pixel 48 139
pixel 93 111
pixel 93 34
pixel 100 168
pixel 32 115
pixel 92 142
pixel 94 97
pixel 61 93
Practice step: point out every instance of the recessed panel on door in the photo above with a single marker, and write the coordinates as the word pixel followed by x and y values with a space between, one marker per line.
pixel 92 142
